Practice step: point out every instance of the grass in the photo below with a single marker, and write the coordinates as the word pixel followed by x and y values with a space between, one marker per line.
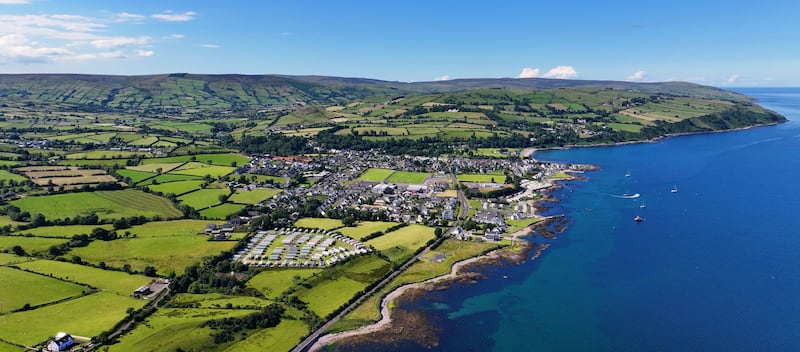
pixel 482 178
pixel 97 312
pixel 64 231
pixel 215 159
pixel 177 187
pixel 408 177
pixel 8 176
pixel 173 228
pixel 222 211
pixel 319 223
pixel 626 127
pixel 29 244
pixel 105 204
pixel 166 254
pixel 8 258
pixel 150 166
pixel 200 169
pixel 280 338
pixel 172 328
pixel 327 295
pixel 365 228
pixel 217 300
pixel 375 175
pixel 273 282
pixel 203 198
pixel 135 175
pixel 252 197
pixel 114 281
pixel 401 244
pixel 167 178
pixel 20 288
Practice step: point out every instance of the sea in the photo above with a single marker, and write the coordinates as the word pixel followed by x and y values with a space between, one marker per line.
pixel 714 266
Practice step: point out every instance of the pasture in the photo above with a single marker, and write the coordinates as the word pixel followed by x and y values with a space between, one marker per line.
pixel 66 175
pixel 401 244
pixel 203 198
pixel 177 187
pixel 64 231
pixel 180 228
pixel 8 176
pixel 254 196
pixel 166 178
pixel 98 312
pixel 29 244
pixel 222 211
pixel 365 228
pixel 172 328
pixel 135 175
pixel 200 169
pixel 213 159
pixel 166 254
pixel 280 338
pixel 117 282
pixel 318 223
pixel 482 178
pixel 105 204
pixel 20 288
pixel 273 282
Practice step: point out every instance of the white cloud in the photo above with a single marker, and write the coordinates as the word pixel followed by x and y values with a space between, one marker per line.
pixel 637 76
pixel 145 53
pixel 732 79
pixel 210 46
pixel 561 72
pixel 175 17
pixel 14 2
pixel 176 36
pixel 528 72
pixel 18 47
pixel 114 42
pixel 442 78
pixel 128 17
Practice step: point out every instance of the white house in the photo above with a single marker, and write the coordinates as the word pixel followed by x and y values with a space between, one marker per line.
pixel 61 342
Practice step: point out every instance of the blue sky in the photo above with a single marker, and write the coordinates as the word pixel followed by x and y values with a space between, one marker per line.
pixel 730 43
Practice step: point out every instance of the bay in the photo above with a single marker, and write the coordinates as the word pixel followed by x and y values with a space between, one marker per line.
pixel 715 266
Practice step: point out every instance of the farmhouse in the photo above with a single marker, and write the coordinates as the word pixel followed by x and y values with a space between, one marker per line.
pixel 61 342
pixel 142 291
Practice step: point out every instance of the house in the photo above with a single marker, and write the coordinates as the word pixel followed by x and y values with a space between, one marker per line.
pixel 61 342
pixel 142 291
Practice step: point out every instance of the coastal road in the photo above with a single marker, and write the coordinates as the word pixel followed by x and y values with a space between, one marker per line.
pixel 311 339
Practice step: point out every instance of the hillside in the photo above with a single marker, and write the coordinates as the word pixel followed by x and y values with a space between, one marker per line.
pixel 180 93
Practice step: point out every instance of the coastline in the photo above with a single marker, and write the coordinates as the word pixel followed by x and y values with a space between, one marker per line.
pixel 493 257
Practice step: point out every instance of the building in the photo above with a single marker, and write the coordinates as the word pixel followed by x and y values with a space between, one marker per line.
pixel 61 342
pixel 142 291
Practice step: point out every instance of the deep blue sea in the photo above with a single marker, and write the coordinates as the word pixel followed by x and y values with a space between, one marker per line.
pixel 714 267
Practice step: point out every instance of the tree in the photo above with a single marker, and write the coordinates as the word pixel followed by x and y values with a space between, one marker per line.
pixel 349 221
pixel 150 271
pixel 18 250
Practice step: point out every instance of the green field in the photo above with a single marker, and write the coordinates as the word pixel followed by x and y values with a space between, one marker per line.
pixel 29 244
pixel 280 338
pixel 401 244
pixel 408 177
pixel 166 178
pixel 365 228
pixel 97 312
pixel 200 169
pixel 177 187
pixel 214 159
pixel 113 281
pixel 203 198
pixel 8 258
pixel 482 178
pixel 64 231
pixel 271 283
pixel 216 300
pixel 252 197
pixel 154 165
pixel 319 223
pixel 375 175
pixel 135 175
pixel 8 176
pixel 222 211
pixel 166 254
pixel 173 228
pixel 105 204
pixel 20 288
pixel 172 328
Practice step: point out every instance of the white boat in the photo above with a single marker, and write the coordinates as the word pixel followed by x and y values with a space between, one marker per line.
pixel 628 174
pixel 642 206
pixel 674 189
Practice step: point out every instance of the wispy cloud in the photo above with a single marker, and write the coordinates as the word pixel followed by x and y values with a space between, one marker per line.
pixel 34 38
pixel 14 2
pixel 119 41
pixel 732 79
pixel 561 72
pixel 129 17
pixel 442 78
pixel 210 46
pixel 528 72
pixel 175 17
pixel 637 76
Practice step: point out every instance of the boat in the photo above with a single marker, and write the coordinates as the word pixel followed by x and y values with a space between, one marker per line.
pixel 628 174
pixel 674 189
pixel 638 218
pixel 642 206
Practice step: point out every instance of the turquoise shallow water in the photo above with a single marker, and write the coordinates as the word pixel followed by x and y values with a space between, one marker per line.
pixel 715 266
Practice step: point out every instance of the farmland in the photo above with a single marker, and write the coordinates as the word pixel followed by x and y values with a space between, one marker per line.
pixel 253 196
pixel 21 288
pixel 401 244
pixel 113 281
pixel 104 204
pixel 203 198
pixel 375 175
